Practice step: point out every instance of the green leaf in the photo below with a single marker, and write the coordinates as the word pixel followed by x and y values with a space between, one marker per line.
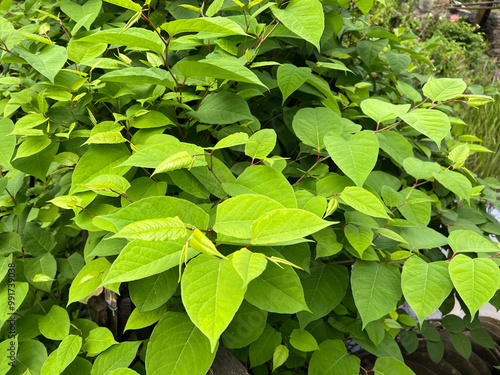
pixel 212 292
pixel 153 291
pixel 246 326
pixel 117 356
pixel 7 141
pixel 476 280
pixel 324 289
pixel 62 357
pixel 425 285
pixel 87 12
pixel 44 265
pixel 264 180
pixel 395 145
pixel 108 185
pixel 398 62
pixel 363 201
pixel 277 290
pixel 465 241
pixel 140 259
pixel 48 62
pixel 312 124
pixel 290 78
pixel 356 157
pixel 303 341
pixel 459 155
pixel 37 165
pixel 391 366
pixel 222 108
pixel 439 90
pixel 248 265
pixel 422 237
pixel 333 359
pixel 408 91
pixel 31 146
pixel 6 298
pixel 177 161
pixel 261 143
pixel 456 182
pixel 222 69
pixel 235 216
pixel 369 50
pixel 231 140
pixel 462 344
pixel 430 122
pixel 177 347
pixel 31 355
pixel 111 137
pixel 135 38
pixel 55 324
pixel 202 244
pixel 214 7
pixel 262 350
pixel 209 27
pixel 158 208
pixel 280 356
pixel 138 320
pixel 376 289
pixel 127 4
pixel 421 170
pixel 99 160
pixel 304 18
pixel 98 340
pixel 284 225
pixel 381 111
pixel 453 323
pixel 359 237
pixel 165 229
pixel 88 279
pixel 142 76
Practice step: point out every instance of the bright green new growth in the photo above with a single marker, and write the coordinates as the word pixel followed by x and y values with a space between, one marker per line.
pixel 266 176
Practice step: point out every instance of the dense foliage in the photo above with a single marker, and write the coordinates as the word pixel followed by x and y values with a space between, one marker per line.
pixel 271 177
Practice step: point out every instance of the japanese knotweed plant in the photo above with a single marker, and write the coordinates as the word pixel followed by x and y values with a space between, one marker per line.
pixel 267 176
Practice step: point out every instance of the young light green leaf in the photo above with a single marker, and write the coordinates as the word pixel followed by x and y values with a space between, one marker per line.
pixel 442 89
pixel 456 182
pixel 117 356
pixel 177 161
pixel 303 341
pixel 140 259
pixel 127 4
pixel 459 155
pixel 312 124
pixel 381 111
pixel 210 27
pixel 421 170
pixel 466 241
pixel 88 279
pixel 261 143
pixel 62 357
pixel 164 229
pixel 376 289
pixel 212 292
pixel 133 38
pixel 430 122
pixel 48 62
pixel 231 140
pixel 285 224
pixel 55 324
pixel 31 146
pixel 249 265
pixel 177 347
pixel 138 320
pixel 280 356
pixel 98 340
pixel 290 78
pixel 109 137
pixel 304 18
pixel 476 280
pixel 425 285
pixel 391 366
pixel 108 184
pixel 363 201
pixel 202 244
pixel 67 201
pixel 359 237
pixel 356 157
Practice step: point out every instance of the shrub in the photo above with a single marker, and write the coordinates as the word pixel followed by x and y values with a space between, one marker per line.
pixel 256 175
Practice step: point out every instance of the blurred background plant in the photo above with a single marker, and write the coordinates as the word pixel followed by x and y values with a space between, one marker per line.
pixel 456 49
